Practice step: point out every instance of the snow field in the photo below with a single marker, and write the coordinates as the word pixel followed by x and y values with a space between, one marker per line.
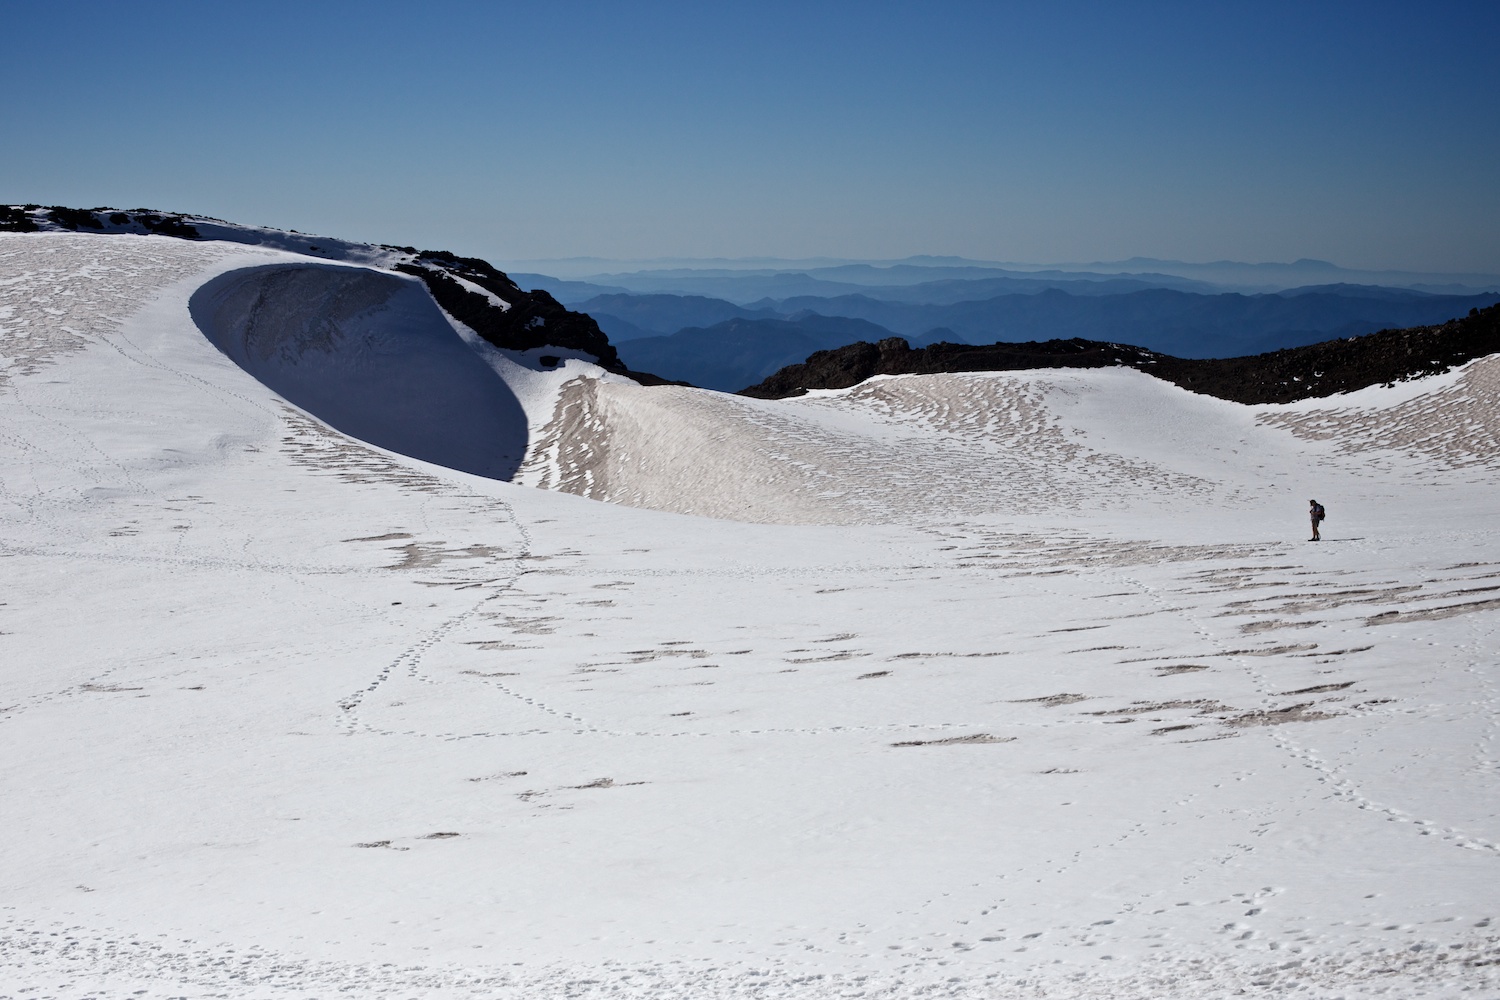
pixel 1044 695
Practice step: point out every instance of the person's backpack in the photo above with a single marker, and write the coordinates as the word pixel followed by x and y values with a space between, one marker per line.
pixel 1317 512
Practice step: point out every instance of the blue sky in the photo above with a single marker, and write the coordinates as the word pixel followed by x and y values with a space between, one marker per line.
pixel 1364 133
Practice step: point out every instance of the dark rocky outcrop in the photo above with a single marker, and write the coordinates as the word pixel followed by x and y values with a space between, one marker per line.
pixel 15 219
pixel 75 218
pixel 137 219
pixel 1317 370
pixel 534 319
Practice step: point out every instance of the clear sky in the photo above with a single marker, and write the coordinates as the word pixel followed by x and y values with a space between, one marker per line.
pixel 1364 133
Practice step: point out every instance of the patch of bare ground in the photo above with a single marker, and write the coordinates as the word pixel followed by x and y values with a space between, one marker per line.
pixel 1204 706
pixel 1317 689
pixel 1294 604
pixel 1433 614
pixel 1181 668
pixel 420 555
pixel 1251 628
pixel 826 659
pixel 1303 712
pixel 1051 700
pixel 956 741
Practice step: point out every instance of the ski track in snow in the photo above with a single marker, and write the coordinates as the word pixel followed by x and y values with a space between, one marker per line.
pixel 1012 685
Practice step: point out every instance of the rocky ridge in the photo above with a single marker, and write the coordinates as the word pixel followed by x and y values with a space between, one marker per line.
pixel 1318 370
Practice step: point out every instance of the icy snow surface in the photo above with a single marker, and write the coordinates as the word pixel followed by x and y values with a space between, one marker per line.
pixel 982 686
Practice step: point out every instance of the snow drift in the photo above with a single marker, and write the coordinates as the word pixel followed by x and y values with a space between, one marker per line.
pixel 369 353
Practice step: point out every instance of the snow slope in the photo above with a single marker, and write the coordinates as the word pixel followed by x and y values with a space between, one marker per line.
pixel 967 686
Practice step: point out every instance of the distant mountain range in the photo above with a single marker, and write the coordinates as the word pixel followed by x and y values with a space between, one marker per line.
pixel 726 324
pixel 1316 370
pixel 719 344
pixel 723 356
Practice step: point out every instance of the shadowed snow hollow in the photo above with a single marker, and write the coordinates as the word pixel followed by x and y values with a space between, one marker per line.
pixel 370 354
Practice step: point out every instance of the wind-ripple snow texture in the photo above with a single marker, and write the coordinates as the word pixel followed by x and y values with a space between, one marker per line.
pixel 59 292
pixel 370 354
pixel 81 962
pixel 1458 425
pixel 890 451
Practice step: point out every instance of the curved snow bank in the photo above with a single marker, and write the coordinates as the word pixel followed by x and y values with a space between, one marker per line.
pixel 368 353
pixel 1452 419
pixel 895 449
pixel 891 450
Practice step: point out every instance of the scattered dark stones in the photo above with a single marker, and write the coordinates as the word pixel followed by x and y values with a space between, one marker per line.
pixel 1318 370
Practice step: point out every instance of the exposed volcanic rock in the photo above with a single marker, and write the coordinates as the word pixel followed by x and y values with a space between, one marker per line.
pixel 1317 370
pixel 17 219
pixel 529 320
pixel 532 319
pixel 13 219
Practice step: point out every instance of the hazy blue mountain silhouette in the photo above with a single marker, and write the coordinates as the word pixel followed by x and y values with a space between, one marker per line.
pixel 750 346
pixel 1179 323
pixel 724 355
pixel 635 316
pixel 566 292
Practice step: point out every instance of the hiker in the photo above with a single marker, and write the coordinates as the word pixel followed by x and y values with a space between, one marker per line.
pixel 1315 511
